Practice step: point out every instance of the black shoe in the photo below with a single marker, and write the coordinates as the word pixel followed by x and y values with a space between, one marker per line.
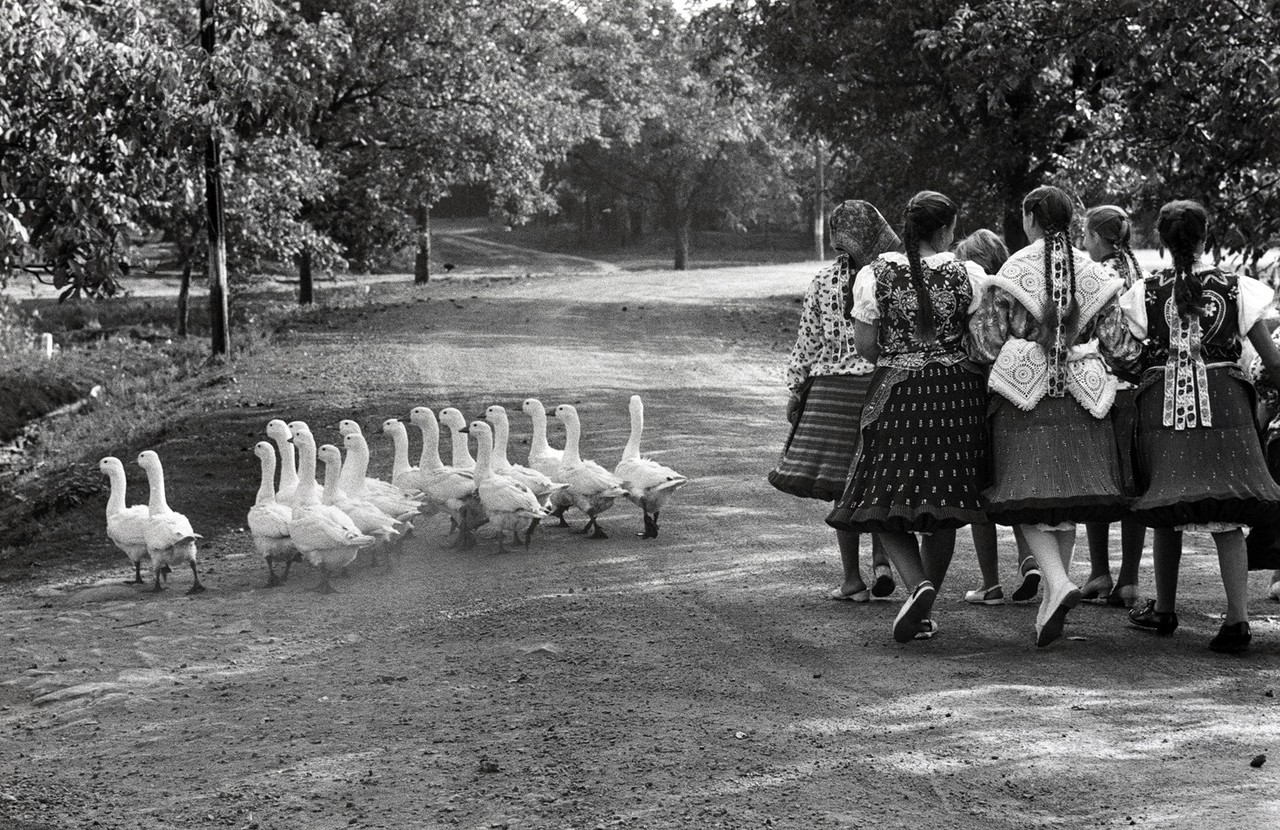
pixel 1030 581
pixel 1161 622
pixel 884 584
pixel 1231 639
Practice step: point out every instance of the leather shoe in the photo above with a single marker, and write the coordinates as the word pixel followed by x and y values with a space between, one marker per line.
pixel 1161 622
pixel 1098 587
pixel 884 584
pixel 1053 613
pixel 1030 581
pixel 914 612
pixel 1232 639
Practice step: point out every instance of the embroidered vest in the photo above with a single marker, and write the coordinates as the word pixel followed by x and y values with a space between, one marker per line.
pixel 950 295
pixel 1185 345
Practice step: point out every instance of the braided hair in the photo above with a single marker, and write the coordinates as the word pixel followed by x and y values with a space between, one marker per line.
pixel 1183 227
pixel 1113 225
pixel 1051 208
pixel 927 213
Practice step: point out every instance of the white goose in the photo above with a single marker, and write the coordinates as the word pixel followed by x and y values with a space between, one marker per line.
pixel 451 489
pixel 170 539
pixel 648 483
pixel 461 454
pixel 544 458
pixel 510 505
pixel 371 485
pixel 287 490
pixel 326 536
pixel 396 503
pixel 364 512
pixel 269 519
pixel 126 526
pixel 541 484
pixel 593 487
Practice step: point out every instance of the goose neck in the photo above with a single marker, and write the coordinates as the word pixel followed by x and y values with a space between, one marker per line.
pixel 632 450
pixel 461 450
pixel 266 491
pixel 501 434
pixel 354 467
pixel 331 472
pixel 484 458
pixel 572 434
pixel 115 502
pixel 539 432
pixel 288 464
pixel 430 458
pixel 400 440
pixel 155 478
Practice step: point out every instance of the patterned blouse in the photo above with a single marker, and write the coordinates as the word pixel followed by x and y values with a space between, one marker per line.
pixel 824 344
pixel 883 293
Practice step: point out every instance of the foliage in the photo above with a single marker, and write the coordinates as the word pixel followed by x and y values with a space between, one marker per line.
pixel 684 129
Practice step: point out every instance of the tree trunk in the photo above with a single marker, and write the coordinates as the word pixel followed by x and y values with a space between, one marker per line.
pixel 184 297
pixel 682 223
pixel 306 282
pixel 219 330
pixel 422 258
pixel 819 203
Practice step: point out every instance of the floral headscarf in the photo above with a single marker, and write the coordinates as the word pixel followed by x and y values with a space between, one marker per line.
pixel 858 229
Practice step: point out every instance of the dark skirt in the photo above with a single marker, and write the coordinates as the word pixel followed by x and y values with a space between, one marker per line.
pixel 1053 465
pixel 920 455
pixel 1205 474
pixel 1124 420
pixel 815 461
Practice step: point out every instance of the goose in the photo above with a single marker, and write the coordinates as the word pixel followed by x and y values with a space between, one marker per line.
pixel 544 458
pixel 396 503
pixel 460 457
pixel 451 489
pixel 593 487
pixel 170 539
pixel 351 485
pixel 126 526
pixel 541 484
pixel 510 505
pixel 648 483
pixel 287 490
pixel 364 512
pixel 324 534
pixel 269 520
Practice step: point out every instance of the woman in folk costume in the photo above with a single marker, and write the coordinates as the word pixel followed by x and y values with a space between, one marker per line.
pixel 827 392
pixel 1107 231
pixel 987 250
pixel 922 441
pixel 1200 459
pixel 1046 324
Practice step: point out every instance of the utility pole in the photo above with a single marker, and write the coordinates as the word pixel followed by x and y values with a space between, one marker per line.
pixel 219 330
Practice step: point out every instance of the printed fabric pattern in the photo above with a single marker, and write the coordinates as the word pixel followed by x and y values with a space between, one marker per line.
pixel 950 294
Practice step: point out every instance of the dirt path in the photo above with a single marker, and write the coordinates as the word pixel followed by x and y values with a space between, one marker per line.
pixel 697 680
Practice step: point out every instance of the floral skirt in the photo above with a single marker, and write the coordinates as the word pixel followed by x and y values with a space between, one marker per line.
pixel 815 461
pixel 1207 474
pixel 921 451
pixel 1052 465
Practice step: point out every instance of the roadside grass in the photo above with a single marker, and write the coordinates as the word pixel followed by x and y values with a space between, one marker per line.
pixel 145 377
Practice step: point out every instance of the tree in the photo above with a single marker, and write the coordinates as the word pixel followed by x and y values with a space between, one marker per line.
pixel 684 130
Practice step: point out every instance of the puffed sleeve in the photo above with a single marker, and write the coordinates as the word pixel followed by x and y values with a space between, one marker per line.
pixel 1134 305
pixel 808 345
pixel 1255 296
pixel 1116 339
pixel 865 307
pixel 978 281
pixel 989 325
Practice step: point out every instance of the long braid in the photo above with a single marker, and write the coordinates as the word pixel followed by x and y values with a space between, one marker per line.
pixel 1182 227
pixel 926 328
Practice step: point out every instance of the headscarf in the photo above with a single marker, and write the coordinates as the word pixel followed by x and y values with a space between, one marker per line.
pixel 859 230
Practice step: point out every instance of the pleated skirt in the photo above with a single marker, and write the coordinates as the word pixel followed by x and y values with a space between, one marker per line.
pixel 815 461
pixel 1052 465
pixel 1207 474
pixel 923 446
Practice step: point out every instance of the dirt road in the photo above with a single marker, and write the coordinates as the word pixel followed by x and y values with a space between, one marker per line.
pixel 697 680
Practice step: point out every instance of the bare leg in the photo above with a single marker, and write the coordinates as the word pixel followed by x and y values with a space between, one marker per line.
pixel 936 551
pixel 984 542
pixel 1133 537
pixel 903 550
pixel 1234 566
pixel 1166 554
pixel 853 582
pixel 1099 536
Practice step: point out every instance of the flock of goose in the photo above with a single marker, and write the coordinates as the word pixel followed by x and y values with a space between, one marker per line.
pixel 295 517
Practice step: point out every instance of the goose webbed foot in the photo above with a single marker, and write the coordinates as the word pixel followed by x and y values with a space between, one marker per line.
pixel 272 579
pixel 165 570
pixel 137 575
pixel 297 557
pixel 156 588
pixel 559 514
pixel 650 527
pixel 528 534
pixel 323 586
pixel 196 587
pixel 594 531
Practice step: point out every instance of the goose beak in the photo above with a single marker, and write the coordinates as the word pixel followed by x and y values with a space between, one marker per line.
pixel 467 430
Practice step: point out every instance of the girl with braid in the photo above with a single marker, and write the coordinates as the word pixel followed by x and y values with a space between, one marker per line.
pixel 1107 231
pixel 1200 461
pixel 1046 324
pixel 921 441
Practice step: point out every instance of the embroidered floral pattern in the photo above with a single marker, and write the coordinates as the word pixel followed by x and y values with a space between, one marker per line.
pixel 824 343
pixel 950 293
